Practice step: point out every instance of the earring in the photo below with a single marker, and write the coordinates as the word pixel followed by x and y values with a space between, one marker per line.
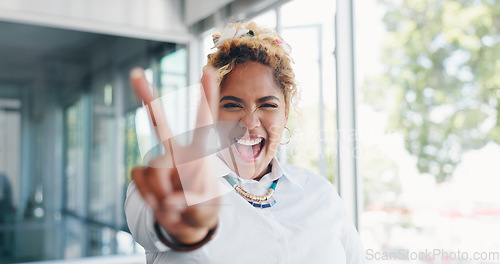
pixel 289 137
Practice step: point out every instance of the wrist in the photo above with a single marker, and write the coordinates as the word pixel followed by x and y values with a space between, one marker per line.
pixel 191 236
pixel 188 242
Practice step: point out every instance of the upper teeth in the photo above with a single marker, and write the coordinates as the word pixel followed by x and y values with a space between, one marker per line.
pixel 249 142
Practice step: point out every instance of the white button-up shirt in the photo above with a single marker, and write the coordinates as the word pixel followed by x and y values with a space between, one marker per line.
pixel 308 224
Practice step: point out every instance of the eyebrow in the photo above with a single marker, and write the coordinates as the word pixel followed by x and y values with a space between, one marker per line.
pixel 267 98
pixel 260 100
pixel 236 99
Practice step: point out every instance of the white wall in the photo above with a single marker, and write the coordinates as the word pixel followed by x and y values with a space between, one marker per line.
pixel 197 10
pixel 151 19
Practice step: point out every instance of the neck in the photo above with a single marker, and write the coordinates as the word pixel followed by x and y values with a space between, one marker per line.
pixel 264 172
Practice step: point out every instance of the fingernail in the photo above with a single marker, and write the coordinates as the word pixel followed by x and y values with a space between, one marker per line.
pixel 209 71
pixel 136 73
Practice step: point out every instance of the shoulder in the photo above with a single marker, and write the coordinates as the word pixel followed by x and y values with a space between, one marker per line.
pixel 307 179
pixel 313 188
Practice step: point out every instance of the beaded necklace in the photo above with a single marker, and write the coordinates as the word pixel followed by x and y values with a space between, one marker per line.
pixel 264 201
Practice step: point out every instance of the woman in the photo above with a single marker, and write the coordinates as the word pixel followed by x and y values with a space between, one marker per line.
pixel 275 213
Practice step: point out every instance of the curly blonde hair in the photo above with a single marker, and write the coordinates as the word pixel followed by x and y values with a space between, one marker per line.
pixel 236 51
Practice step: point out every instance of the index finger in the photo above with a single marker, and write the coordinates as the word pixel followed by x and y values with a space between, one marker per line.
pixel 141 85
pixel 153 105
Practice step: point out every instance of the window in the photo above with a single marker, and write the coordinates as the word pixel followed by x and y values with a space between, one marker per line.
pixel 311 37
pixel 428 126
pixel 267 19
pixel 68 143
pixel 10 170
pixel 174 82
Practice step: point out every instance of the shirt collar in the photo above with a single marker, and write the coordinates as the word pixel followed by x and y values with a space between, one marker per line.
pixel 289 175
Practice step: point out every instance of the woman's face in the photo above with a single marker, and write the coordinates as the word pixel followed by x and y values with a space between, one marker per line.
pixel 255 108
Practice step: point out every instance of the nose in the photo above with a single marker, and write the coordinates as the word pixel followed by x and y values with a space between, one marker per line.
pixel 250 121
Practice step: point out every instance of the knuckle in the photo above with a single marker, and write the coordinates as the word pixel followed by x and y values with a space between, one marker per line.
pixel 137 173
pixel 137 170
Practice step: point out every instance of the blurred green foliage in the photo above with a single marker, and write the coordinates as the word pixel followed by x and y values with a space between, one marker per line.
pixel 441 81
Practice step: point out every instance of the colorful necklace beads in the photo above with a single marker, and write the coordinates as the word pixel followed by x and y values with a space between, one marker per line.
pixel 264 201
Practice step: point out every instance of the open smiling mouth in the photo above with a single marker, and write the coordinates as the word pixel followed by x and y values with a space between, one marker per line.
pixel 249 149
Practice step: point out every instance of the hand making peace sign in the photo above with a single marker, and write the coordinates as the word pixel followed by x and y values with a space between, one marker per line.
pixel 177 187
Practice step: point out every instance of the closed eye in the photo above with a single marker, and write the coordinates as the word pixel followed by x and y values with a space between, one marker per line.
pixel 268 106
pixel 231 105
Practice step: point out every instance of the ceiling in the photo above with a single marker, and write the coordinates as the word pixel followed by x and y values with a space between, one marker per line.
pixel 20 41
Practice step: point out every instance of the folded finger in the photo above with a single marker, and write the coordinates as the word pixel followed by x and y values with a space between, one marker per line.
pixel 139 176
pixel 159 183
pixel 174 202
